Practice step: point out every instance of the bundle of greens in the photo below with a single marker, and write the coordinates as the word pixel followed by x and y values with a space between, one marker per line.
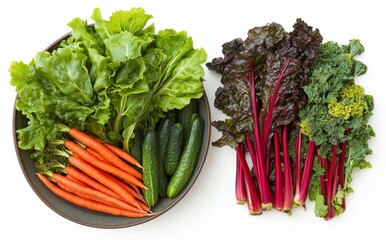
pixel 262 94
pixel 336 120
pixel 107 78
pixel 292 101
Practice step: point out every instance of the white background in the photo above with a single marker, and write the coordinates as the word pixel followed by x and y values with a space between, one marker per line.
pixel 209 208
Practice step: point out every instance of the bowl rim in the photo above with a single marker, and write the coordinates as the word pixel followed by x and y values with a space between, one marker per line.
pixel 205 147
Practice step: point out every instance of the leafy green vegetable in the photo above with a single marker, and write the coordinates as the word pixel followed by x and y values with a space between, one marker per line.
pixel 263 55
pixel 67 71
pixel 107 78
pixel 293 104
pixel 336 118
pixel 335 102
pixel 320 208
pixel 261 94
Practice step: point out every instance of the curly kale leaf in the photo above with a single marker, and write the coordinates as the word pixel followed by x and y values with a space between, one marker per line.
pixel 335 102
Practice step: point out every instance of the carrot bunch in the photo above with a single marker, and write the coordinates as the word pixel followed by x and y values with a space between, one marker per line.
pixel 98 176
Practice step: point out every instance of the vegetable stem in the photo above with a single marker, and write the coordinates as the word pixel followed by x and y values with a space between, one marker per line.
pixel 301 196
pixel 330 184
pixel 118 118
pixel 253 156
pixel 322 179
pixel 127 138
pixel 265 190
pixel 298 156
pixel 272 102
pixel 288 185
pixel 341 176
pixel 278 204
pixel 240 191
pixel 254 202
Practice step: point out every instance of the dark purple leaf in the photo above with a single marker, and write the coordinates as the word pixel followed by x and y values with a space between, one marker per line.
pixel 279 63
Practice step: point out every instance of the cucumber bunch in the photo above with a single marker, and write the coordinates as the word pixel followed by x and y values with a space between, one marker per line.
pixel 169 153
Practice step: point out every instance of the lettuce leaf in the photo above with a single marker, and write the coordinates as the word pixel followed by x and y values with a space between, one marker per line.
pixel 107 78
pixel 125 46
pixel 133 21
pixel 66 69
pixel 183 84
pixel 37 134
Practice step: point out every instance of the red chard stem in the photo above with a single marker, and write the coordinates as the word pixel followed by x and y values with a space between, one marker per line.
pixel 255 117
pixel 288 185
pixel 331 209
pixel 335 183
pixel 272 102
pixel 326 171
pixel 330 184
pixel 298 156
pixel 254 203
pixel 278 203
pixel 331 173
pixel 267 161
pixel 253 156
pixel 241 195
pixel 306 178
pixel 262 178
pixel 332 166
pixel 341 176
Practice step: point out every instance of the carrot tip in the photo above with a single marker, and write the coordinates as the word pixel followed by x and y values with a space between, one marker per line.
pixel 152 214
pixel 150 211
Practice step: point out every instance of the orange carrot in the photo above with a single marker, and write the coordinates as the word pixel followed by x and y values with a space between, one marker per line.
pixel 76 180
pixel 104 151
pixel 130 189
pixel 77 149
pixel 95 153
pixel 83 202
pixel 68 189
pixel 121 153
pixel 136 195
pixel 84 178
pixel 95 173
pixel 94 194
pixel 144 207
pixel 82 153
pixel 124 185
pixel 134 187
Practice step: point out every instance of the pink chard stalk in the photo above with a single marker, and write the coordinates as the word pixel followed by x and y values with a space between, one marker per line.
pixel 262 94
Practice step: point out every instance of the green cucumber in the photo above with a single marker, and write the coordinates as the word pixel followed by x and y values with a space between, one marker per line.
pixel 163 130
pixel 189 157
pixel 174 149
pixel 150 168
pixel 185 114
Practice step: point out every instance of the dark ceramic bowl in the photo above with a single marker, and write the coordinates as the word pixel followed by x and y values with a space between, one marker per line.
pixel 92 218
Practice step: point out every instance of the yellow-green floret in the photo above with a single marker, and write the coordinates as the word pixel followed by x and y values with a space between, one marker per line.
pixel 351 104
